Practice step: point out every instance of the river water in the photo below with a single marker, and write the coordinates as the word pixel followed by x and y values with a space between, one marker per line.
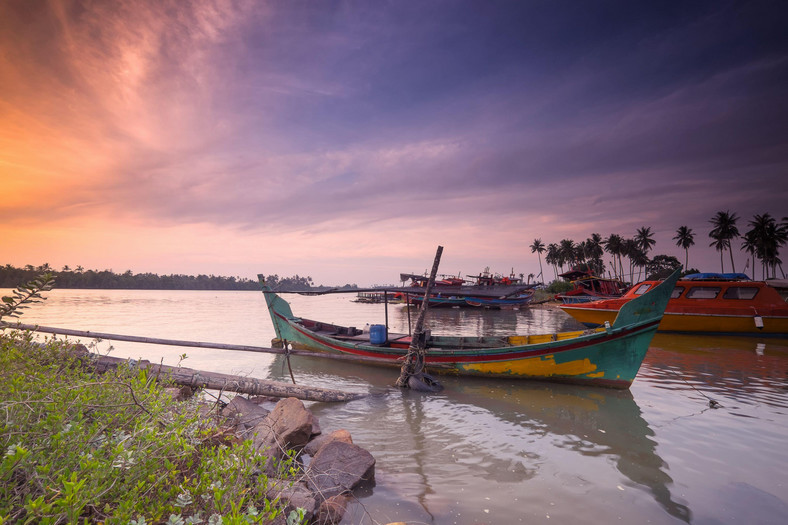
pixel 502 451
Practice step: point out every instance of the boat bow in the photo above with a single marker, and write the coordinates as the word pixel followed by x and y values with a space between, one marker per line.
pixel 649 307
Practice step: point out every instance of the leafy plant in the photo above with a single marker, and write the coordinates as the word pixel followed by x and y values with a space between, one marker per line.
pixel 26 294
pixel 114 448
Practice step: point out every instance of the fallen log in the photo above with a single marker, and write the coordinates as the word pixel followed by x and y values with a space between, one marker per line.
pixel 224 382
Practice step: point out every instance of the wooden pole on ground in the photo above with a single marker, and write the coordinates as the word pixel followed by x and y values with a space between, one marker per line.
pixel 414 360
pixel 222 382
pixel 195 344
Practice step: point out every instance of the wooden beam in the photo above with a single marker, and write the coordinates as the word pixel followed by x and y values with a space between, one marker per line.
pixel 226 382
pixel 195 344
pixel 414 360
pixel 233 383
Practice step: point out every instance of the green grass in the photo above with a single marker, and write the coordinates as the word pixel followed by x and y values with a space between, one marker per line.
pixel 78 447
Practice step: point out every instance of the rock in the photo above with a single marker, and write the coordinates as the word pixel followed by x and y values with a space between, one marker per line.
pixel 259 400
pixel 244 413
pixel 339 467
pixel 332 510
pixel 293 495
pixel 424 383
pixel 315 444
pixel 287 427
pixel 179 393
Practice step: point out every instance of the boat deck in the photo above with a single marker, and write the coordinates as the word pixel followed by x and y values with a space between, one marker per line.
pixel 400 340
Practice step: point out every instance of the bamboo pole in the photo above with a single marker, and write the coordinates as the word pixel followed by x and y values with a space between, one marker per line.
pixel 414 360
pixel 195 344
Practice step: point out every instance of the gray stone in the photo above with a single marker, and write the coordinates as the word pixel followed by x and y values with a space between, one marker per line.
pixel 294 495
pixel 244 413
pixel 332 510
pixel 287 427
pixel 316 443
pixel 338 468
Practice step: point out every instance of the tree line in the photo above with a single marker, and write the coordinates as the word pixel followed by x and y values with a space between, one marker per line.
pixel 78 277
pixel 762 242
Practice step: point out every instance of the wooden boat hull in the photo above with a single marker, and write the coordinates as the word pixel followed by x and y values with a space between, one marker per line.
pixel 688 322
pixel 476 302
pixel 765 316
pixel 510 302
pixel 608 357
pixel 578 299
pixel 439 302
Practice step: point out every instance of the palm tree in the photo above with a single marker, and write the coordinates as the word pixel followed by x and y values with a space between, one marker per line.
pixel 639 260
pixel 594 252
pixel 552 257
pixel 567 252
pixel 684 239
pixel 613 246
pixel 630 248
pixel 765 238
pixel 724 231
pixel 580 252
pixel 538 248
pixel 750 245
pixel 645 239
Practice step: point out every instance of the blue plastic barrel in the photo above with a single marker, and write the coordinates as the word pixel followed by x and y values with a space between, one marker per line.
pixel 377 334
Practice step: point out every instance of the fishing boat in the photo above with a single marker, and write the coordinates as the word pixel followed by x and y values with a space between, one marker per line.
pixel 715 303
pixel 516 301
pixel 609 356
pixel 495 303
pixel 485 290
pixel 376 298
pixel 587 287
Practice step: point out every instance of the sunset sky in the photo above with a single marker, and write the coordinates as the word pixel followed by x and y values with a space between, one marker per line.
pixel 347 140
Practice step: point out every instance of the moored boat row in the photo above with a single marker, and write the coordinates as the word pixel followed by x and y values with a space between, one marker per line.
pixel 485 290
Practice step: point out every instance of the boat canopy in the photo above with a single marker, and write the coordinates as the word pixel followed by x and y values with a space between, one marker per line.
pixel 716 277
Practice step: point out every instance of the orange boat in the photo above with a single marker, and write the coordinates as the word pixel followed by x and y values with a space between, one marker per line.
pixel 703 303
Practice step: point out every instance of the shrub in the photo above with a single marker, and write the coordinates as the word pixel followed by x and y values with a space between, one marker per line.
pixel 113 448
pixel 559 287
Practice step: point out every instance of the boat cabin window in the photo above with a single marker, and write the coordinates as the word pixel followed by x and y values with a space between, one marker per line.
pixel 676 292
pixel 740 292
pixel 703 292
pixel 643 288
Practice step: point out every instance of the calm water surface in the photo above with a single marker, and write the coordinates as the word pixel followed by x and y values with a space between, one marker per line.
pixel 499 451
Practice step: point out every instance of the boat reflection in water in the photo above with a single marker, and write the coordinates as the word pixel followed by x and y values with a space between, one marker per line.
pixel 591 422
pixel 521 436
pixel 735 367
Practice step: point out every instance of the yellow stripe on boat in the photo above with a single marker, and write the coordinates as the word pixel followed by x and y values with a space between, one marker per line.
pixel 537 366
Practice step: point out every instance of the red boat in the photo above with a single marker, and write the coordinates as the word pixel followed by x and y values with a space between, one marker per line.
pixel 704 303
pixel 587 287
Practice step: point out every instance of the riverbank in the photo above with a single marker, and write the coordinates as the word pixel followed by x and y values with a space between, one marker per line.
pixel 123 447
